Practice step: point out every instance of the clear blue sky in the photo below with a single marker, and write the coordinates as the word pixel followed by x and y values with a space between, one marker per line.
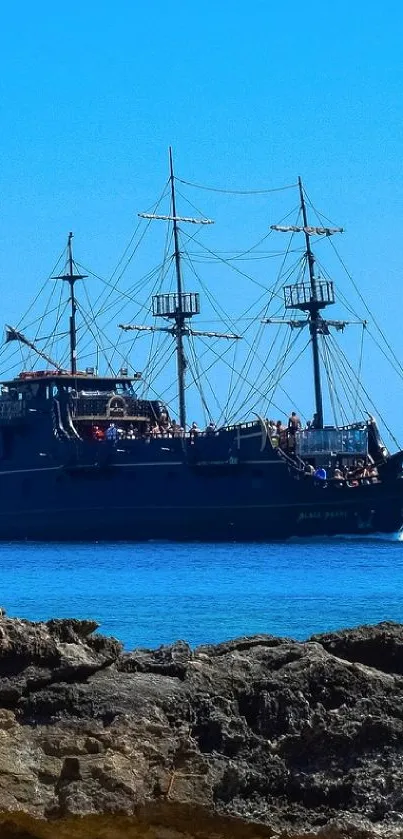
pixel 249 94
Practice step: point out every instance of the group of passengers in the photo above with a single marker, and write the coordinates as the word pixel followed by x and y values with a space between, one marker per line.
pixel 363 472
pixel 170 428
pixel 163 428
pixel 360 472
pixel 284 435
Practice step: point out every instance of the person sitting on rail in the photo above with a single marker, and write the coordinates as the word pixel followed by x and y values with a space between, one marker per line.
pixel 276 430
pixel 281 433
pixel 373 474
pixel 194 430
pixel 338 477
pixel 164 425
pixel 174 428
pixel 353 474
pixel 155 430
pixel 359 473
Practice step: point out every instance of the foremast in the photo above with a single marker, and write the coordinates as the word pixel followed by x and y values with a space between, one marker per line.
pixel 71 278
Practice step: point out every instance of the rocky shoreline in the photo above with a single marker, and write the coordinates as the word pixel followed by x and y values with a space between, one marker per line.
pixel 257 737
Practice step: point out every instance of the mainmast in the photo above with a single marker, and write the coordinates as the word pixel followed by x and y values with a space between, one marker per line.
pixel 314 310
pixel 179 316
pixel 180 306
pixel 311 297
pixel 71 278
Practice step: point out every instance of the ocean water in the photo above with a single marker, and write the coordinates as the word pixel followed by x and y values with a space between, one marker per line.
pixel 155 593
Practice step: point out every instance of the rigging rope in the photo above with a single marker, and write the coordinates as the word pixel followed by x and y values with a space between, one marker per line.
pixel 197 381
pixel 228 365
pixel 361 297
pixel 347 364
pixel 53 271
pixel 360 364
pixel 345 381
pixel 323 351
pixel 236 191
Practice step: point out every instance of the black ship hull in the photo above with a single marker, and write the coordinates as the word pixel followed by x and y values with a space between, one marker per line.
pixel 233 486
pixel 262 524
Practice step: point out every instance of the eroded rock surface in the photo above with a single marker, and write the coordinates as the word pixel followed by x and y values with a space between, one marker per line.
pixel 257 737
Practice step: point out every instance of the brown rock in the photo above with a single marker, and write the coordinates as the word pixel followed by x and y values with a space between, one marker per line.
pixel 257 737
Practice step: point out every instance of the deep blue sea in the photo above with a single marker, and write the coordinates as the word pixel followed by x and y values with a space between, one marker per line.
pixel 155 593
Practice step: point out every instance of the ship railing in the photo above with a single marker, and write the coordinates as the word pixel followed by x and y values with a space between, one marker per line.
pixel 291 459
pixel 97 418
pixel 241 425
pixel 113 406
pixel 11 410
pixel 351 441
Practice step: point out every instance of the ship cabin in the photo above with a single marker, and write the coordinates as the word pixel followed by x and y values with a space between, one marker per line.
pixel 82 405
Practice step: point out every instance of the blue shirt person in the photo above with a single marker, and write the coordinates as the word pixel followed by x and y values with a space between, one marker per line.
pixel 112 433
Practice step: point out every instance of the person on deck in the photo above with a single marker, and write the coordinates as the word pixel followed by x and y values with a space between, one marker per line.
pixel 281 435
pixel 271 427
pixel 112 433
pixel 309 469
pixel 98 433
pixel 338 477
pixel 294 423
pixel 175 428
pixel 155 431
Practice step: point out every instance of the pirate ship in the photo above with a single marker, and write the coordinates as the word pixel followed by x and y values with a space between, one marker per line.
pixel 91 456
